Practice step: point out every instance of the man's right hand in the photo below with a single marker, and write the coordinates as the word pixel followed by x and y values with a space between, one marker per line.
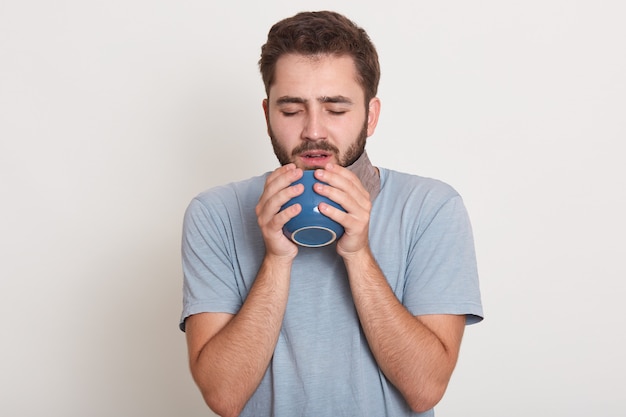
pixel 271 219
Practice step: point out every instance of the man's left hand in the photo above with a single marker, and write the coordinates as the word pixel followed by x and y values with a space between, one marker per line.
pixel 345 188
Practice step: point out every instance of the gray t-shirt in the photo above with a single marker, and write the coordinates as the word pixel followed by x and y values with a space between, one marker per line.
pixel 421 238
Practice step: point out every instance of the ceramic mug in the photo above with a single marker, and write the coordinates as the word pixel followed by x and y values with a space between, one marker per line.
pixel 311 228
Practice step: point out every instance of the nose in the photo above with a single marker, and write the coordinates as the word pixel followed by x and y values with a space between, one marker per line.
pixel 314 127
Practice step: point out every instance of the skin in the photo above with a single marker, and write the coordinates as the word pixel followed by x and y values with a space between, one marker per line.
pixel 317 107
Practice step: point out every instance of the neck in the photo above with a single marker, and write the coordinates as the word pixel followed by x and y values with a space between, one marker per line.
pixel 368 174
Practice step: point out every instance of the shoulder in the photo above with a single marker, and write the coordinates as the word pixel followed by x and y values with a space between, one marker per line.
pixel 414 187
pixel 226 201
pixel 234 193
pixel 418 200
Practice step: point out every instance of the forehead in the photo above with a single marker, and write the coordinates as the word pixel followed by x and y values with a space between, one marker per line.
pixel 316 76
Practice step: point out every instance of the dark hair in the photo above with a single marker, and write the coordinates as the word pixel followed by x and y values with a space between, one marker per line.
pixel 325 32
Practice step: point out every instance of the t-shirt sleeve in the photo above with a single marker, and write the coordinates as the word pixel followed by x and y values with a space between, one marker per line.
pixel 442 276
pixel 208 272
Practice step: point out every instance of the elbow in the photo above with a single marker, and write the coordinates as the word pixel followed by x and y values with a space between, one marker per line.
pixel 218 397
pixel 422 406
pixel 426 399
pixel 222 405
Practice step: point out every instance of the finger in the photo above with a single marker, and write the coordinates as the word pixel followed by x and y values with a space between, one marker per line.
pixel 353 216
pixel 270 214
pixel 278 180
pixel 277 193
pixel 278 220
pixel 344 188
pixel 343 179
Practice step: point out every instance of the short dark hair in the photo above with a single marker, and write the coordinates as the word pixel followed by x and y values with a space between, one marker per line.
pixel 319 33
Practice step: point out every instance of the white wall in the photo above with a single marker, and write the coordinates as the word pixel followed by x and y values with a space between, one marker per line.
pixel 113 115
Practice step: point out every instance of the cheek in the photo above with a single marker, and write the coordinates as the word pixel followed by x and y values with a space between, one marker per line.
pixel 353 127
pixel 284 134
pixel 282 126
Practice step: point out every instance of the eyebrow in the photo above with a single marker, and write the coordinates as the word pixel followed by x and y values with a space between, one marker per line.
pixel 324 99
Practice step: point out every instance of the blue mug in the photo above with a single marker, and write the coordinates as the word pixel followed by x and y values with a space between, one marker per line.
pixel 311 228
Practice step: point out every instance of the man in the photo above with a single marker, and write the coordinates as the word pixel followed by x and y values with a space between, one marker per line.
pixel 368 326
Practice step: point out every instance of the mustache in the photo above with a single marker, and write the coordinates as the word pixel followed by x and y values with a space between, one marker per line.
pixel 315 146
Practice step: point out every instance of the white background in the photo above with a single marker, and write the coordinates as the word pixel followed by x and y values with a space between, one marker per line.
pixel 114 114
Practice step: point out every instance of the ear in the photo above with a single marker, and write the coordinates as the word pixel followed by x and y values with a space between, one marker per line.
pixel 372 115
pixel 266 111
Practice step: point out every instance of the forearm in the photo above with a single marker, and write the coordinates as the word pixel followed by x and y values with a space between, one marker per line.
pixel 230 366
pixel 411 355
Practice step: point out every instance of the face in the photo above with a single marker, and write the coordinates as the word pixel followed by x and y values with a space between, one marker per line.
pixel 316 111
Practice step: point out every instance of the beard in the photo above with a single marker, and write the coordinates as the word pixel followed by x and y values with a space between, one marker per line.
pixel 354 151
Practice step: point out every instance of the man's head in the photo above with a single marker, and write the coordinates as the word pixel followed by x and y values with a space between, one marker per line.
pixel 321 76
pixel 321 33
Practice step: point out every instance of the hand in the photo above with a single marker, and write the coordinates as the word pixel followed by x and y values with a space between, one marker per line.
pixel 346 189
pixel 271 219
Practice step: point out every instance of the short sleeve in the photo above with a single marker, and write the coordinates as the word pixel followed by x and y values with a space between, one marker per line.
pixel 208 272
pixel 442 276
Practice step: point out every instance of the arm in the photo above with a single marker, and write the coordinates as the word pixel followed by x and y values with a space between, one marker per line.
pixel 417 354
pixel 229 354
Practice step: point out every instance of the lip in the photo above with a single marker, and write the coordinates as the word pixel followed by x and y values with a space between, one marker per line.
pixel 315 159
